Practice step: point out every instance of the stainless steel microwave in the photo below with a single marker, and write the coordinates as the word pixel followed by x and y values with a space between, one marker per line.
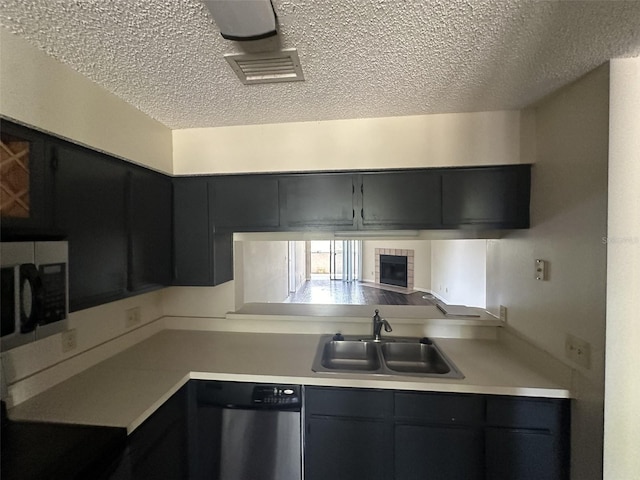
pixel 35 303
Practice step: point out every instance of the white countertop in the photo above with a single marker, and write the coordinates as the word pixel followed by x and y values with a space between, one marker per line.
pixel 125 389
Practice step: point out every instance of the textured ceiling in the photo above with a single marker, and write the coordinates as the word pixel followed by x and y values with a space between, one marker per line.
pixel 361 58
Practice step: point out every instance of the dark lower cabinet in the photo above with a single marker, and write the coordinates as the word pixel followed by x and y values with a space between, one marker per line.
pixel 438 453
pixel 361 433
pixel 438 436
pixel 159 448
pixel 347 434
pixel 345 449
pixel 527 438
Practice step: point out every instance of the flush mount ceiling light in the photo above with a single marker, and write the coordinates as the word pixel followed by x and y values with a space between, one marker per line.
pixel 267 67
pixel 243 20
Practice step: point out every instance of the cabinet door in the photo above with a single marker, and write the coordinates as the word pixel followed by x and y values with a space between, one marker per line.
pixel 90 208
pixel 491 197
pixel 193 255
pixel 527 438
pixel 427 452
pixel 25 181
pixel 159 448
pixel 348 434
pixel 523 455
pixel 401 200
pixel 201 255
pixel 317 201
pixel 345 449
pixel 150 207
pixel 245 203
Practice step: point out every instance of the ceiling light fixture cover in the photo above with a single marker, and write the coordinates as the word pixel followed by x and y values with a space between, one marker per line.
pixel 243 20
pixel 267 67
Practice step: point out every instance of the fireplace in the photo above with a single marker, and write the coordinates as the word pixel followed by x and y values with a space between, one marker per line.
pixel 393 270
pixel 407 271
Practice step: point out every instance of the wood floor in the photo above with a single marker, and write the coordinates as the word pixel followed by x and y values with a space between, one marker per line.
pixel 337 292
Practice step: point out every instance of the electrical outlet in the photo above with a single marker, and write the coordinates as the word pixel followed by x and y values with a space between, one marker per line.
pixel 132 318
pixel 503 314
pixel 69 340
pixel 577 350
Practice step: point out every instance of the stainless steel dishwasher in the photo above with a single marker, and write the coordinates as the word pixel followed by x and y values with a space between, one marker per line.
pixel 248 431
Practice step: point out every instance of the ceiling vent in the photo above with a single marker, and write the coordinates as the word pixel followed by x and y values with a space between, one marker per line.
pixel 268 67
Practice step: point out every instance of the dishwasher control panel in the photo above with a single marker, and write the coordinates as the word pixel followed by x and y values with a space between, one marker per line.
pixel 276 395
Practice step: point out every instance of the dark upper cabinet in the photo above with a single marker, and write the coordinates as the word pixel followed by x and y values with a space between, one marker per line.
pixel 90 208
pixel 25 182
pixel 401 200
pixel 202 256
pixel 488 197
pixel 317 201
pixel 245 203
pixel 192 237
pixel 150 226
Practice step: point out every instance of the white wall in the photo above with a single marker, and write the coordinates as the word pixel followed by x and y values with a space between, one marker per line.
pixel 568 223
pixel 301 263
pixel 421 259
pixel 622 392
pixel 456 139
pixel 44 93
pixel 265 266
pixel 458 271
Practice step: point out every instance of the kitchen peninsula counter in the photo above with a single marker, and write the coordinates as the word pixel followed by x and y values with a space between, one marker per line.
pixel 127 388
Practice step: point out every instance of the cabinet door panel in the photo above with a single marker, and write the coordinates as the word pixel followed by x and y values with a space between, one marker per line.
pixel 245 203
pixel 150 229
pixel 348 402
pixel 90 208
pixel 523 455
pixel 345 449
pixel 438 453
pixel 440 407
pixel 491 197
pixel 192 237
pixel 401 200
pixel 316 201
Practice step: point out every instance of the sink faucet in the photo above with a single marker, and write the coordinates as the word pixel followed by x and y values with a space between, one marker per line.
pixel 378 322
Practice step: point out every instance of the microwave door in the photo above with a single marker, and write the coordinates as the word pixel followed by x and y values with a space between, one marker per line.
pixel 31 297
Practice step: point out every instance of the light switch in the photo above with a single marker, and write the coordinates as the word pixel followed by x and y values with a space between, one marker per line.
pixel 541 269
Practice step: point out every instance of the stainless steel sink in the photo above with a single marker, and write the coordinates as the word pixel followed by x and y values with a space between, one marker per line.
pixel 392 356
pixel 350 355
pixel 414 358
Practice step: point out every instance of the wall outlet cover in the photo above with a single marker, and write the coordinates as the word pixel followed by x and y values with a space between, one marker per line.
pixel 577 350
pixel 132 317
pixel 69 340
pixel 503 314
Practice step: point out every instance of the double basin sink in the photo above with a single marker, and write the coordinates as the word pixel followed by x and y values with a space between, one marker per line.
pixel 390 356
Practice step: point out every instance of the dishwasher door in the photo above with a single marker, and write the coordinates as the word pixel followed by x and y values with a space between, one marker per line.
pixel 260 444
